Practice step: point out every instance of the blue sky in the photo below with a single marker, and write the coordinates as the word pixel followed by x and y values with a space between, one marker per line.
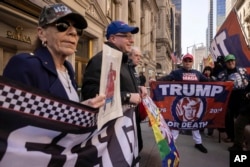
pixel 194 23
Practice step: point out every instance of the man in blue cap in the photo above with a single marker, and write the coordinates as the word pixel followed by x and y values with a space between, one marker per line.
pixel 120 37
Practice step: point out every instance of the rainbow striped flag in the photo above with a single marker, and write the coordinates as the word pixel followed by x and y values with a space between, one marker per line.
pixel 164 139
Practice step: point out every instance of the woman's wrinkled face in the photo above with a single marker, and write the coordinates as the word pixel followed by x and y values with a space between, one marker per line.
pixel 61 37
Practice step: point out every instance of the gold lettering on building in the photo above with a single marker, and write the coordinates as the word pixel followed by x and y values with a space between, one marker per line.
pixel 18 35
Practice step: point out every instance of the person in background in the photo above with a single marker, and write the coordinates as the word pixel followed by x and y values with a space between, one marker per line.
pixel 208 71
pixel 186 73
pixel 120 37
pixel 239 76
pixel 219 66
pixel 47 69
pixel 134 60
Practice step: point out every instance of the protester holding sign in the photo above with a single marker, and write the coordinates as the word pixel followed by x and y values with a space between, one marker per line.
pixel 43 119
pixel 186 73
pixel 47 69
pixel 120 37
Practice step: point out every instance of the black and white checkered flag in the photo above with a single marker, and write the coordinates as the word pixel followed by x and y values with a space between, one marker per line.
pixel 39 130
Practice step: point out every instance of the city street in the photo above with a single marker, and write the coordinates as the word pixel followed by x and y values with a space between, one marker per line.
pixel 217 155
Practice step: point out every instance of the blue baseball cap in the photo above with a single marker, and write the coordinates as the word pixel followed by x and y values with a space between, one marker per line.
pixel 120 27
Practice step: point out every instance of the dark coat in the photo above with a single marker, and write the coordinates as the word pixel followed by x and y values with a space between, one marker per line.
pixel 38 70
pixel 177 75
pixel 92 77
pixel 238 93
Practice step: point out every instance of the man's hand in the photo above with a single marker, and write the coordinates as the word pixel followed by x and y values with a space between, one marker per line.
pixel 95 102
pixel 143 91
pixel 135 98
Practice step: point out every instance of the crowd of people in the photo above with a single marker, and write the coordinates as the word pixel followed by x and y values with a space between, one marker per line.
pixel 236 117
pixel 47 68
pixel 57 37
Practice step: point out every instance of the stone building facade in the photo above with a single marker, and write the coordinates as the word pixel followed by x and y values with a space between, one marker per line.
pixel 164 42
pixel 242 7
pixel 18 24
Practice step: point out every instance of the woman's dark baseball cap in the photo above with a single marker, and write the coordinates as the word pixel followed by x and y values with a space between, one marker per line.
pixel 120 27
pixel 52 13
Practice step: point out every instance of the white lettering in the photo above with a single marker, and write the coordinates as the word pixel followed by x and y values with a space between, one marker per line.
pixel 240 158
pixel 216 90
pixel 190 90
pixel 27 134
pixel 200 91
pixel 176 90
pixel 164 89
pixel 215 110
pixel 187 125
pixel 217 43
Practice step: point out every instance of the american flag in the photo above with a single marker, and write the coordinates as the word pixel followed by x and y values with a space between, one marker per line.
pixel 174 57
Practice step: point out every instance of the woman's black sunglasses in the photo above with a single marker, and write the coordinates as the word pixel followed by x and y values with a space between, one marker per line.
pixel 63 25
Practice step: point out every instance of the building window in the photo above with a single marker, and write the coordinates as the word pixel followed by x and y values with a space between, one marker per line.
pixel 110 9
pixel 83 54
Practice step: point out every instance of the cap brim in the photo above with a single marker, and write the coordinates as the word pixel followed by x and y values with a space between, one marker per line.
pixel 132 30
pixel 135 30
pixel 229 59
pixel 79 20
pixel 188 57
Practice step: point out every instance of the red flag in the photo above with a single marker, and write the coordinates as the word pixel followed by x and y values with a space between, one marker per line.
pixel 204 107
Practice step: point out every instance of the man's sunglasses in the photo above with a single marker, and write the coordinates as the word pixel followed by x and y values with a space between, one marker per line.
pixel 63 25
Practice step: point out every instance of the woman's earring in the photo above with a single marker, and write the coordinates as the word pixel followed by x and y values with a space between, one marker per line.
pixel 44 43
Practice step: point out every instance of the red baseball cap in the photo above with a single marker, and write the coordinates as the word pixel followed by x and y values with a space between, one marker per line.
pixel 188 56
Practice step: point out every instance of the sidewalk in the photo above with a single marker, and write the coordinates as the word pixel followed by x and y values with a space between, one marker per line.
pixel 217 155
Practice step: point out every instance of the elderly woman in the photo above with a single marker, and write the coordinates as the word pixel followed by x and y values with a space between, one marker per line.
pixel 47 69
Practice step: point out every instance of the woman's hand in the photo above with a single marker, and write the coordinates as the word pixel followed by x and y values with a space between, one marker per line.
pixel 95 102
